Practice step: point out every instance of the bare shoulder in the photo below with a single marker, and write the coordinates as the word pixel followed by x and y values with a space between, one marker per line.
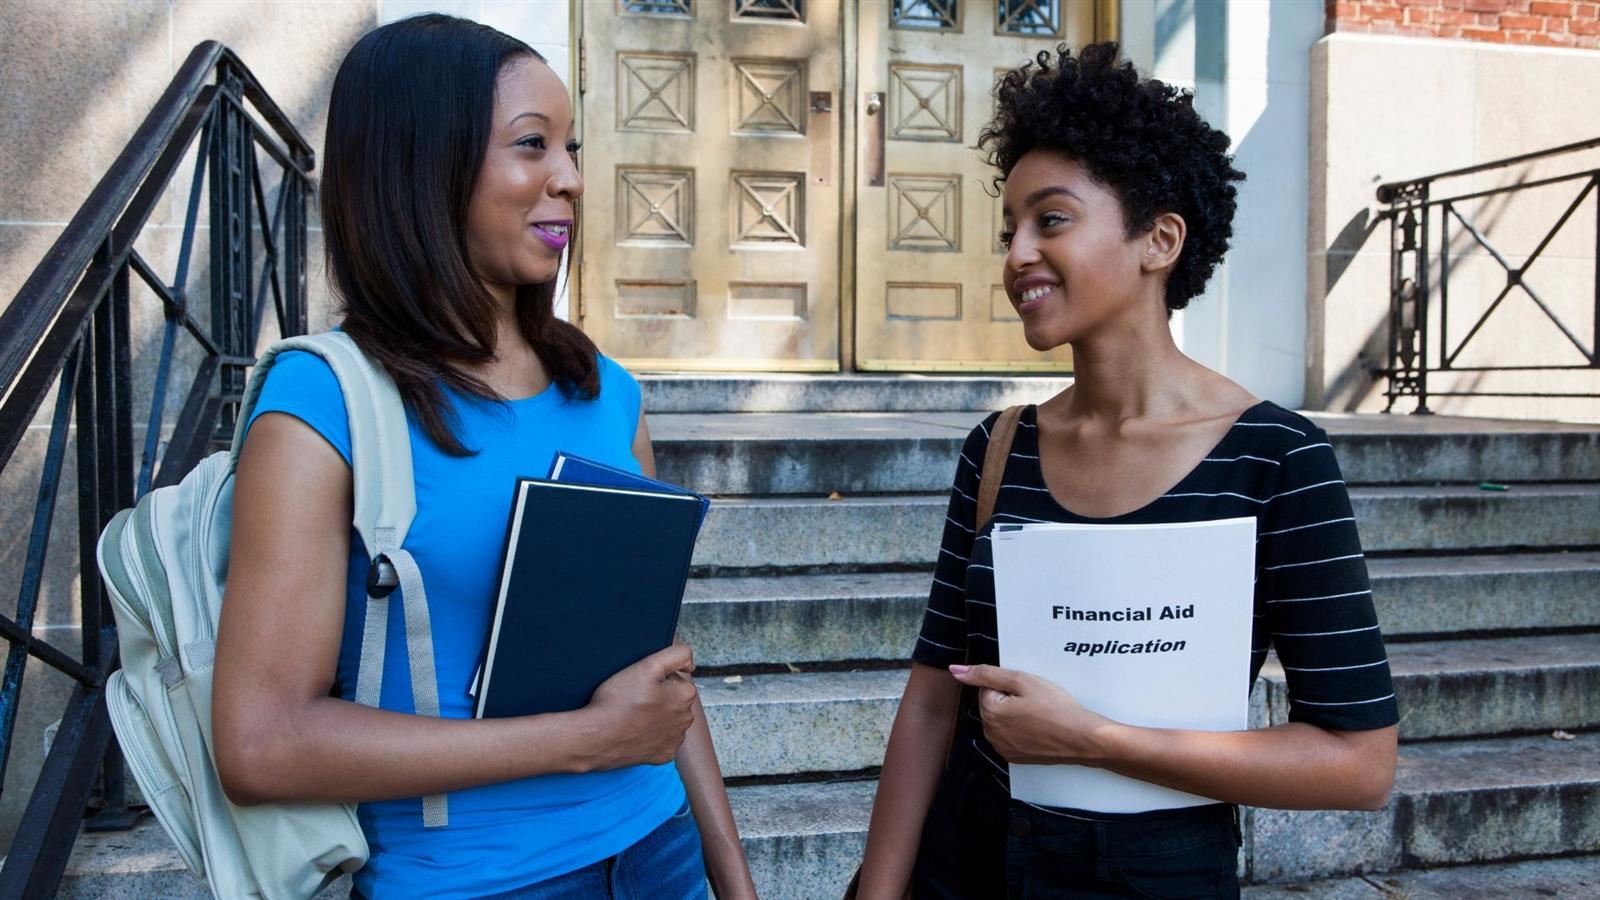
pixel 287 568
pixel 1220 397
pixel 293 498
pixel 284 455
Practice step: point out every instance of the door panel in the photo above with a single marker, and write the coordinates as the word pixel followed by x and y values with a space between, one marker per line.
pixel 928 261
pixel 711 218
pixel 713 231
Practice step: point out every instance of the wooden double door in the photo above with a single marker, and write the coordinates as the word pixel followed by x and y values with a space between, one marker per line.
pixel 793 185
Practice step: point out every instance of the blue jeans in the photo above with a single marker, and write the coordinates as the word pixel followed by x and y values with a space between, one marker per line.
pixel 663 865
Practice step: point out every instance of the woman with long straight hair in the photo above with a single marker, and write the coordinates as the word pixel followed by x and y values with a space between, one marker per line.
pixel 1118 204
pixel 448 196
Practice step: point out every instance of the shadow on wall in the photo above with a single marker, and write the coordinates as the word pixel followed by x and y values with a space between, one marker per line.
pixel 1261 329
pixel 1170 22
pixel 1356 381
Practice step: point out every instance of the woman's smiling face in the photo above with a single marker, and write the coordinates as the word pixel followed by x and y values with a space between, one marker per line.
pixel 519 218
pixel 1070 266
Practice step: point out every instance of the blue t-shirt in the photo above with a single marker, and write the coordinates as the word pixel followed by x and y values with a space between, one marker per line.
pixel 503 836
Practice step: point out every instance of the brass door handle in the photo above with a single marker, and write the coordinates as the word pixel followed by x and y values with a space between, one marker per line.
pixel 822 146
pixel 875 139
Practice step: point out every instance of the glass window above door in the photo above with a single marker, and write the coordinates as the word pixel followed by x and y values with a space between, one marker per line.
pixel 659 7
pixel 1034 18
pixel 791 10
pixel 926 15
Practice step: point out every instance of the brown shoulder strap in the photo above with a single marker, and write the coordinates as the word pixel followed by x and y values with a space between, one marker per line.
pixel 994 468
pixel 994 464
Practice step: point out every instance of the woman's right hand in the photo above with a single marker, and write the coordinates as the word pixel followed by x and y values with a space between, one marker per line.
pixel 645 709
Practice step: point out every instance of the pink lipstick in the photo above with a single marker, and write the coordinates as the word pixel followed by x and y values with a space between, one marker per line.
pixel 555 234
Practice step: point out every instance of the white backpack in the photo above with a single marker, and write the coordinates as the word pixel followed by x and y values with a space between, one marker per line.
pixel 165 562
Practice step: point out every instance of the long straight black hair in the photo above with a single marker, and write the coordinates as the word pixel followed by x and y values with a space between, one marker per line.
pixel 408 126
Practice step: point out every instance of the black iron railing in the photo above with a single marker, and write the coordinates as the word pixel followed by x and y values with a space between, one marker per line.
pixel 68 328
pixel 1422 340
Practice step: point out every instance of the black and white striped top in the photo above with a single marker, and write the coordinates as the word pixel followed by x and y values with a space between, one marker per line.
pixel 1313 601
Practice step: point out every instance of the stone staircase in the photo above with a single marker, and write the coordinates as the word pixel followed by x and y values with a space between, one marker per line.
pixel 812 572
pixel 1490 600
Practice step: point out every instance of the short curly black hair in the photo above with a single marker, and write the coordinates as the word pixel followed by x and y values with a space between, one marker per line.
pixel 1139 137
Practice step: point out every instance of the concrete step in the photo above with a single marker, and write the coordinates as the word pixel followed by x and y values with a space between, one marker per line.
pixel 803 618
pixel 745 454
pixel 1378 449
pixel 875 615
pixel 141 864
pixel 1454 803
pixel 797 723
pixel 1577 876
pixel 786 532
pixel 842 393
pixel 133 865
pixel 811 453
pixel 803 840
pixel 1469 802
pixel 1469 688
pixel 794 723
pixel 1417 595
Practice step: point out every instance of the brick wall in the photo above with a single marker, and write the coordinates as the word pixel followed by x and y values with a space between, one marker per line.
pixel 1543 23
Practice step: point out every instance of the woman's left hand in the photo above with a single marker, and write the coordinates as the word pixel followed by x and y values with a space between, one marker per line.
pixel 1031 720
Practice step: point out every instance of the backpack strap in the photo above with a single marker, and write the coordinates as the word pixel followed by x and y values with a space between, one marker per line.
pixel 994 464
pixel 385 504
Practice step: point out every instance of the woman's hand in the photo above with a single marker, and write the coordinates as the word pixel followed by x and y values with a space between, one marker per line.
pixel 645 709
pixel 1291 766
pixel 1031 720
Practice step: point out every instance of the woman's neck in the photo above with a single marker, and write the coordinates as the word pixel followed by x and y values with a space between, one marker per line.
pixel 1131 369
pixel 506 327
pixel 515 370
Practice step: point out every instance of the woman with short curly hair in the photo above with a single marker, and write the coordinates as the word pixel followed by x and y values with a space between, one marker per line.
pixel 1118 204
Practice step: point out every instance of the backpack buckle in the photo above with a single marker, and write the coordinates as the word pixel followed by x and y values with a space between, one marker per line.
pixel 382 578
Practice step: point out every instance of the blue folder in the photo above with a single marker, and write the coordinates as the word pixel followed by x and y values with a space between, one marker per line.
pixel 594 570
pixel 566 467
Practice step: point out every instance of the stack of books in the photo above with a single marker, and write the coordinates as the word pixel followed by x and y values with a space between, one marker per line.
pixel 595 564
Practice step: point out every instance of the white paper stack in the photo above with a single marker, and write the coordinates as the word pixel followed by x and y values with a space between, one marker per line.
pixel 1146 624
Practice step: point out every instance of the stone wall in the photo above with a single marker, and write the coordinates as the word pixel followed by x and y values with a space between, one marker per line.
pixel 1390 108
pixel 79 77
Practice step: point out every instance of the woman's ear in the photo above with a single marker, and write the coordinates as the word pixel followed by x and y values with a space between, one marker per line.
pixel 1163 243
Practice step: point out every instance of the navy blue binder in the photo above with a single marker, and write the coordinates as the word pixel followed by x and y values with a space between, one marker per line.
pixel 566 467
pixel 592 582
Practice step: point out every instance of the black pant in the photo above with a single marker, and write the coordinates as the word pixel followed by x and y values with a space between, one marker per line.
pixel 978 844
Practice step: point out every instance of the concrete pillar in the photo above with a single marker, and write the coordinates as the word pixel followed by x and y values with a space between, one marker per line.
pixel 1248 64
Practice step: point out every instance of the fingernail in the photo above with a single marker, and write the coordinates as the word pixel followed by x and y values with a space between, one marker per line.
pixel 959 670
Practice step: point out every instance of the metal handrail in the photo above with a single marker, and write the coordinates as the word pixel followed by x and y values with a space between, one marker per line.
pixel 1390 191
pixel 68 329
pixel 1419 336
pixel 43 296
